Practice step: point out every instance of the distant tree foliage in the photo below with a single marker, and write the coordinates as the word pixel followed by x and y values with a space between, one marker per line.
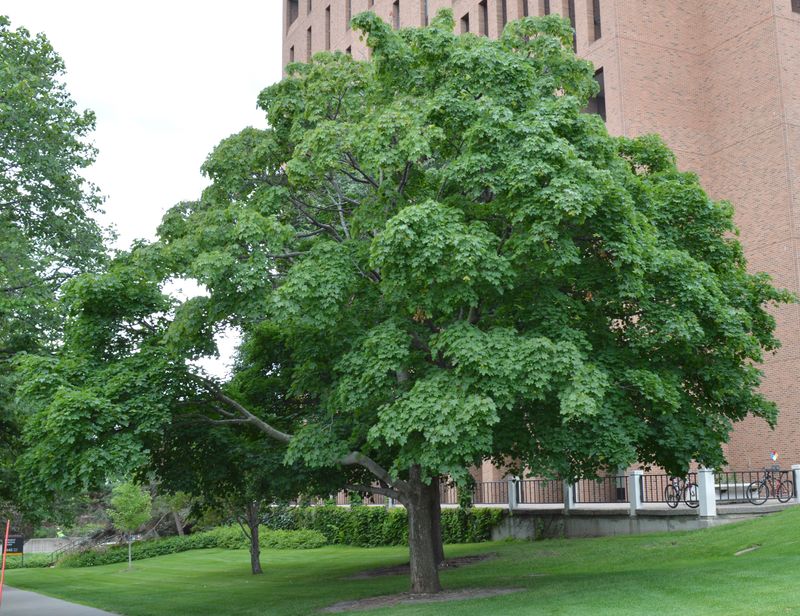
pixel 48 232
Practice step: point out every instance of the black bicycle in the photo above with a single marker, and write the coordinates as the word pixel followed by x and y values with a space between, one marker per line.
pixel 681 489
pixel 775 483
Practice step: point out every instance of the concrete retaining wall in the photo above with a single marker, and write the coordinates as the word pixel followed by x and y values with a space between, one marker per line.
pixel 45 546
pixel 528 524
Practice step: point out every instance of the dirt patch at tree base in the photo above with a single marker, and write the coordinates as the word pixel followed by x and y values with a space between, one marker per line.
pixel 449 563
pixel 407 598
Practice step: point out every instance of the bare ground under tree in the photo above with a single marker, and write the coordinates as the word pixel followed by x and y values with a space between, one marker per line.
pixel 407 598
pixel 450 563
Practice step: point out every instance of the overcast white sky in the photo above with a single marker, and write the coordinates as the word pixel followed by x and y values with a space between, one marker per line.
pixel 167 81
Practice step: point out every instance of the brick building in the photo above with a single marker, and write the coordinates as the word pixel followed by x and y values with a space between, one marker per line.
pixel 718 79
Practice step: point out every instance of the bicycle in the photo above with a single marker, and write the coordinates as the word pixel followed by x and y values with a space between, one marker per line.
pixel 681 489
pixel 780 487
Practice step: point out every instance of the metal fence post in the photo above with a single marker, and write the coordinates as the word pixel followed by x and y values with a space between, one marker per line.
pixel 796 480
pixel 706 493
pixel 635 491
pixel 512 493
pixel 569 497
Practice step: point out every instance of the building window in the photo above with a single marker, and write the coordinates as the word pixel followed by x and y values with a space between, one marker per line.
pixel 396 14
pixel 483 18
pixel 348 14
pixel 595 27
pixel 523 8
pixel 308 44
pixel 503 16
pixel 465 23
pixel 370 4
pixel 571 13
pixel 424 9
pixel 328 27
pixel 796 6
pixel 597 104
pixel 308 6
pixel 293 11
pixel 544 7
pixel 291 53
pixel 349 50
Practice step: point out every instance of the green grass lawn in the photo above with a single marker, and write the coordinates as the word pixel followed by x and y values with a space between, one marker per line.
pixel 678 573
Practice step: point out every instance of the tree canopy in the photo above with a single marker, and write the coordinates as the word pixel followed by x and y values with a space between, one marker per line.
pixel 47 230
pixel 460 264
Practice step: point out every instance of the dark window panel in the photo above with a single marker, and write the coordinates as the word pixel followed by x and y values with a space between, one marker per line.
pixel 571 12
pixel 597 104
pixel 293 9
pixel 328 27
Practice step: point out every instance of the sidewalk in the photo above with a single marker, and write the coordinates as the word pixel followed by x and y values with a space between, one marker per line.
pixel 24 603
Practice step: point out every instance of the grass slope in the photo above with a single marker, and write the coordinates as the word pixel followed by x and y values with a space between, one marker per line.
pixel 678 573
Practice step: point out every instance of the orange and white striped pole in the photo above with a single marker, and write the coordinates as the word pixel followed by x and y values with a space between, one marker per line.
pixel 3 571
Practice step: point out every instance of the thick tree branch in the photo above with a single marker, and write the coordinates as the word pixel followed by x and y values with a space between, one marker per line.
pixel 360 487
pixel 253 419
pixel 354 164
pixel 351 459
pixel 286 255
pixel 404 180
pixel 356 458
pixel 243 412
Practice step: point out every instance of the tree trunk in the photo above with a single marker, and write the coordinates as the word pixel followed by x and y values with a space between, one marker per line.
pixel 436 522
pixel 178 523
pixel 421 541
pixel 255 548
pixel 130 560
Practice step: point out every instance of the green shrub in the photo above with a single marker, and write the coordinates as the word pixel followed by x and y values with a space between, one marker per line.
pixel 280 517
pixel 28 561
pixel 374 526
pixel 292 539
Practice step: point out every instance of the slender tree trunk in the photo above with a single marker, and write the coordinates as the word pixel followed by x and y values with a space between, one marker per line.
pixel 130 560
pixel 255 548
pixel 421 541
pixel 436 522
pixel 178 523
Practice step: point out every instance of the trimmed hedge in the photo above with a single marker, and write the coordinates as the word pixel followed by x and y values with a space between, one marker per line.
pixel 223 537
pixel 28 561
pixel 375 526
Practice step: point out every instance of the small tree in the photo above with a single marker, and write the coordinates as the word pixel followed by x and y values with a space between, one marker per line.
pixel 130 508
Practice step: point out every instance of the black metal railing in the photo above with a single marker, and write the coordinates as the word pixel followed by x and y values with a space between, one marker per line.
pixel 613 489
pixel 743 486
pixel 540 491
pixel 653 488
pixel 490 493
pixel 448 493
